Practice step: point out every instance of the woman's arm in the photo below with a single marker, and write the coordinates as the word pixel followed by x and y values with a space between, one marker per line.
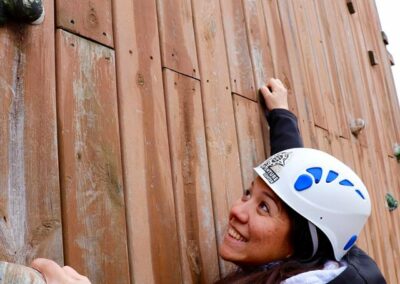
pixel 284 131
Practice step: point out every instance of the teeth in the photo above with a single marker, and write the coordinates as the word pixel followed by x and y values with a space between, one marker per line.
pixel 234 234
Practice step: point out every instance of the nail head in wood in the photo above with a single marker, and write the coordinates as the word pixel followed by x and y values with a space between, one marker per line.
pixel 372 58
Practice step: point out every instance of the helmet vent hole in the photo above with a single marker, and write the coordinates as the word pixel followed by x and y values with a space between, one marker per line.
pixel 316 173
pixel 351 242
pixel 346 182
pixel 303 182
pixel 331 176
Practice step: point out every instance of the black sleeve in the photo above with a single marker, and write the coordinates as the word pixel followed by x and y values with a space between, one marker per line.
pixel 284 131
pixel 361 269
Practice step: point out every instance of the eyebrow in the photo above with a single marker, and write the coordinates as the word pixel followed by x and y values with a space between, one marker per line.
pixel 275 199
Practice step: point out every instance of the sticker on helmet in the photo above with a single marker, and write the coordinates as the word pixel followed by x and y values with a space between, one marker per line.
pixel 273 165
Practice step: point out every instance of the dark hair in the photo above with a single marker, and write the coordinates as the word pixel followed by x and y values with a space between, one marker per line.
pixel 301 260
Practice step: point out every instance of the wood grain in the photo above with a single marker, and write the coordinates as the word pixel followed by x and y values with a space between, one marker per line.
pixel 90 160
pixel 248 127
pixel 87 18
pixel 178 47
pixel 152 230
pixel 219 119
pixel 30 214
pixel 237 48
pixel 190 178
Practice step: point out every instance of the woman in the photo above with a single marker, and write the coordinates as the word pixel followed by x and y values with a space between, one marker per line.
pixel 300 218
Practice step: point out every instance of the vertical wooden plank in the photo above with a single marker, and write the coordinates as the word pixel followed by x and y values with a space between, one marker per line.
pixel 249 137
pixel 368 93
pixel 392 217
pixel 219 120
pixel 90 165
pixel 90 19
pixel 178 46
pixel 279 54
pixel 30 214
pixel 330 85
pixel 395 214
pixel 237 48
pixel 386 127
pixel 310 72
pixel 381 184
pixel 261 55
pixel 258 42
pixel 374 220
pixel 190 178
pixel 278 50
pixel 296 63
pixel 152 231
pixel 391 96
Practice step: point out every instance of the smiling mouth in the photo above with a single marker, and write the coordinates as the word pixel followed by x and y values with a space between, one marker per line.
pixel 235 234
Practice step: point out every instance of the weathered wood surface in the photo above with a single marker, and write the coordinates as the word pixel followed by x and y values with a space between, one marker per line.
pixel 191 179
pixel 219 119
pixel 95 239
pixel 87 18
pixel 248 127
pixel 152 230
pixel 148 168
pixel 11 273
pixel 178 47
pixel 30 215
pixel 237 48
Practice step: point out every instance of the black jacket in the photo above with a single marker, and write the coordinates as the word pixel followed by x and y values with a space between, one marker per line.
pixel 284 134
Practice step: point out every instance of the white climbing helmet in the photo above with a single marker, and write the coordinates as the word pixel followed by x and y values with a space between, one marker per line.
pixel 323 190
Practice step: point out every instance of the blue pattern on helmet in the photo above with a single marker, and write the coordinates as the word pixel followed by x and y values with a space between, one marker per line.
pixel 346 182
pixel 331 176
pixel 316 172
pixel 360 194
pixel 303 182
pixel 350 242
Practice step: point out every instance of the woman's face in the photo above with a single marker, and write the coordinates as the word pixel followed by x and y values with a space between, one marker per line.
pixel 259 228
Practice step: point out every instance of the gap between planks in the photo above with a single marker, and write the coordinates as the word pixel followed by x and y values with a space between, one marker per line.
pixel 85 37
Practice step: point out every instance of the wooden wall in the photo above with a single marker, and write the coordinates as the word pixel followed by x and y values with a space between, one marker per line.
pixel 129 127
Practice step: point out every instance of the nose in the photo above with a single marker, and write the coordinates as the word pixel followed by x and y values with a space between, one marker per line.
pixel 240 211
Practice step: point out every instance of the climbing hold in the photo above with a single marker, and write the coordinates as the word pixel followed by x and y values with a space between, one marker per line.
pixel 356 126
pixel 396 151
pixel 25 11
pixel 392 203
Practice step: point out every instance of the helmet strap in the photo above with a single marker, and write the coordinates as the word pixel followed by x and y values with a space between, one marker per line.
pixel 314 237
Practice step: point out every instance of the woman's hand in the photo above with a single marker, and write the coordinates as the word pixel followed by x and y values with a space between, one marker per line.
pixel 275 94
pixel 55 274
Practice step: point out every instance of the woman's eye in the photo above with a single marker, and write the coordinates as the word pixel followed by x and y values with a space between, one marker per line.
pixel 264 207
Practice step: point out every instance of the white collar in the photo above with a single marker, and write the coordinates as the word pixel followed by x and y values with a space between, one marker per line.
pixel 331 270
